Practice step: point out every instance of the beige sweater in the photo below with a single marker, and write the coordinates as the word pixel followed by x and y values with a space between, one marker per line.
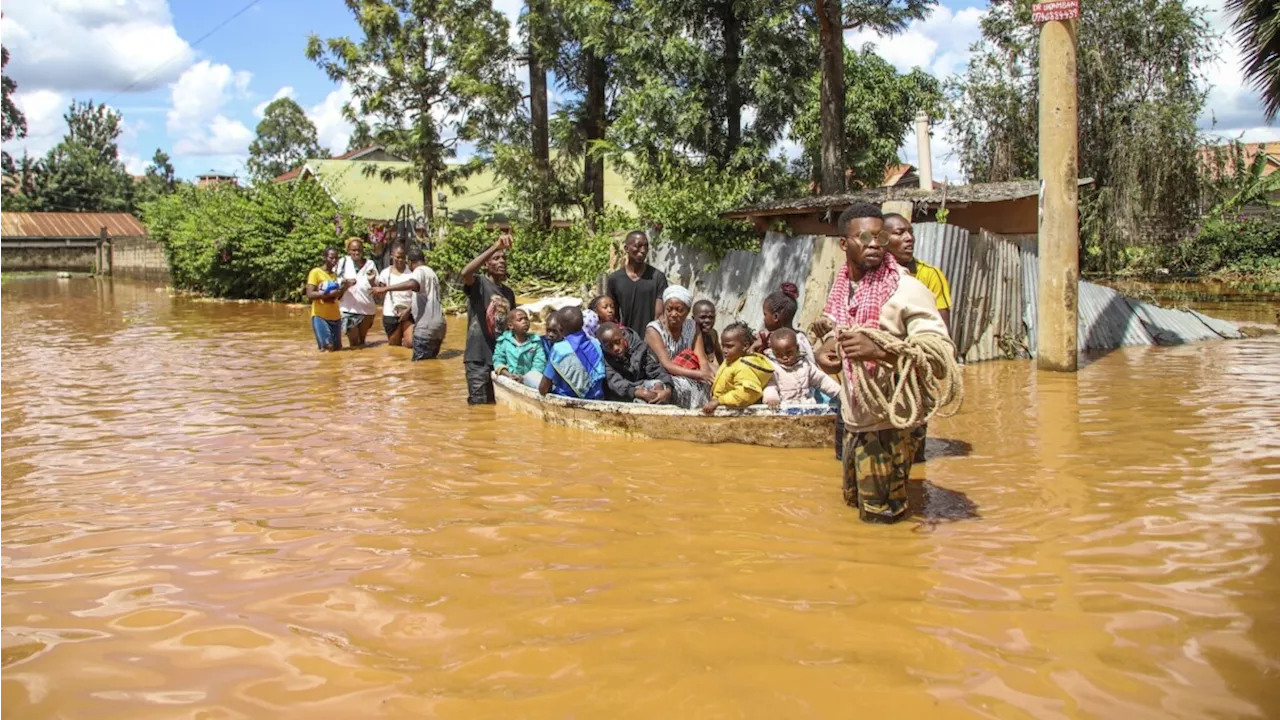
pixel 911 310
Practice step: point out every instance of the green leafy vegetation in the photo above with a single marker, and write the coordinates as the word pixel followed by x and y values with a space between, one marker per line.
pixel 254 243
pixel 286 138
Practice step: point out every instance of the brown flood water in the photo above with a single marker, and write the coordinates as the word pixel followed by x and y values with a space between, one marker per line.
pixel 205 518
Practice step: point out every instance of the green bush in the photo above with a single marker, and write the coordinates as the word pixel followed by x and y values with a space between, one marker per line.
pixel 1226 246
pixel 255 243
pixel 569 258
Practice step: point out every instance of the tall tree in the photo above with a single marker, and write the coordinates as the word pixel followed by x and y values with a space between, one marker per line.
pixel 431 74
pixel 832 18
pixel 880 105
pixel 14 122
pixel 83 173
pixel 1257 27
pixel 157 180
pixel 541 46
pixel 286 139
pixel 1140 91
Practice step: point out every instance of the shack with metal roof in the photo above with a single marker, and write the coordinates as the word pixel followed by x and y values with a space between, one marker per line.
pixel 79 242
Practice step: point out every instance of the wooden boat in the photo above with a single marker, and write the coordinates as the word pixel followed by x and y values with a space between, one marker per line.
pixel 789 426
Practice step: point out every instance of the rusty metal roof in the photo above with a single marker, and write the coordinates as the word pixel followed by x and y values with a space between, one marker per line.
pixel 15 225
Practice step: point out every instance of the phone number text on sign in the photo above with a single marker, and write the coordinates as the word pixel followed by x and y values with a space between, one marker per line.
pixel 1059 10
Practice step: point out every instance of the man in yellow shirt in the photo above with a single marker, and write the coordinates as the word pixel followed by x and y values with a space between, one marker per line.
pixel 325 290
pixel 901 243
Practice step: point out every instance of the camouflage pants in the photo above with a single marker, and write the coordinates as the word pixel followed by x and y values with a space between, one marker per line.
pixel 876 466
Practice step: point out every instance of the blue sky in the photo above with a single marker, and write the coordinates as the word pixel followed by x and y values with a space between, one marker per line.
pixel 200 101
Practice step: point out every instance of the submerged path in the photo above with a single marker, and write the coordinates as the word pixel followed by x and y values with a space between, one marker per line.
pixel 203 517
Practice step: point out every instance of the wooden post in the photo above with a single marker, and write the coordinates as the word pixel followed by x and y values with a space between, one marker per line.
pixel 1058 312
pixel 104 253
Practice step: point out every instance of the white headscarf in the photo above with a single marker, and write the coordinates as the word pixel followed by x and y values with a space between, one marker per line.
pixel 678 292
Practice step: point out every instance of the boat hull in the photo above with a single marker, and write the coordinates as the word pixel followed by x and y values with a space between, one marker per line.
pixel 809 426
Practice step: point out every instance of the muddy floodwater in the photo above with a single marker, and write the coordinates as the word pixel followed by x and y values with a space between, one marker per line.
pixel 205 518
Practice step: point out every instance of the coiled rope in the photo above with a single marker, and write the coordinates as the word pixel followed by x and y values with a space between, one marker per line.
pixel 927 380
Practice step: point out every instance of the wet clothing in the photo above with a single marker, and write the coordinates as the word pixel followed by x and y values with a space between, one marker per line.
pixel 479 384
pixel 796 384
pixel 480 339
pixel 688 393
pixel 932 278
pixel 876 467
pixel 576 367
pixel 477 359
pixel 425 348
pixel 398 298
pixel 351 321
pixel 519 359
pixel 741 383
pixel 324 309
pixel 328 333
pixel 427 312
pixel 638 368
pixel 358 300
pixel 635 299
pixel 390 323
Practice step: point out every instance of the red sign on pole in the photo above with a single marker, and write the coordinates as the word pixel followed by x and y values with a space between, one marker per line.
pixel 1058 10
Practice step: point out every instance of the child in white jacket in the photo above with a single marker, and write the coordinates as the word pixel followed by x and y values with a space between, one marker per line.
pixel 795 376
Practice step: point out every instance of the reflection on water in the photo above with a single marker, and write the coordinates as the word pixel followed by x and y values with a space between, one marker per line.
pixel 203 517
pixel 1241 302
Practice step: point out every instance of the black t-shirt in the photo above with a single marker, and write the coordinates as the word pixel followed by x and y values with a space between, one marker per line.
pixel 635 298
pixel 480 343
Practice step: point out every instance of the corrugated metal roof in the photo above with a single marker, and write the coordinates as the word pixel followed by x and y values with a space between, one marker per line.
pixel 1106 320
pixel 14 225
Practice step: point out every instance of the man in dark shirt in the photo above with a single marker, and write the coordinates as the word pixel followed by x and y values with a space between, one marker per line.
pixel 631 370
pixel 488 301
pixel 637 287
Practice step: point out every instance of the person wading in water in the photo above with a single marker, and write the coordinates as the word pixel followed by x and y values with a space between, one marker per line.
pixel 637 287
pixel 871 291
pixel 488 302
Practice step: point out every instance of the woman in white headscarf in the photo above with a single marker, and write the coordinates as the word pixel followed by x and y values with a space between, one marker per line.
pixel 676 342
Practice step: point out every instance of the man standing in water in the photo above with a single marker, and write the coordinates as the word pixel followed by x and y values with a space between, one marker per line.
pixel 488 301
pixel 871 291
pixel 637 287
pixel 428 314
pixel 901 243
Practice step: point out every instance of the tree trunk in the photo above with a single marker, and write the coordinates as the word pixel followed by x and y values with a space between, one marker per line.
pixel 831 98
pixel 593 172
pixel 538 115
pixel 732 25
pixel 428 192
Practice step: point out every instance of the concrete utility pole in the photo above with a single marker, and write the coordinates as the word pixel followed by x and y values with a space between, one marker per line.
pixel 1058 313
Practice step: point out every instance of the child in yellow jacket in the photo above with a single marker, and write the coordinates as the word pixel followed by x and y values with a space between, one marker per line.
pixel 743 375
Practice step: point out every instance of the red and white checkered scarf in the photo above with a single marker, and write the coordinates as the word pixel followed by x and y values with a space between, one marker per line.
pixel 861 308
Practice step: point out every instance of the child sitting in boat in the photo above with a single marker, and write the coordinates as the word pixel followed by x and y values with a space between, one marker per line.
pixel 780 307
pixel 704 314
pixel 742 378
pixel 519 354
pixel 575 367
pixel 632 373
pixel 795 377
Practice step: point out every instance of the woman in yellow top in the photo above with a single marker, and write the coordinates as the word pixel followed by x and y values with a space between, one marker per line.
pixel 741 379
pixel 325 290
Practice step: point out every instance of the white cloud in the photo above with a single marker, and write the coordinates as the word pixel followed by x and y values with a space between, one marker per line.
pixel 45 125
pixel 285 92
pixel 92 44
pixel 939 44
pixel 196 117
pixel 332 129
pixel 134 164
pixel 1233 108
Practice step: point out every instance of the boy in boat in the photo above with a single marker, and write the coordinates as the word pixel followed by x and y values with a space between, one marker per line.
pixel 632 373
pixel 795 376
pixel 741 379
pixel 871 291
pixel 488 300
pixel 519 354
pixel 704 314
pixel 575 368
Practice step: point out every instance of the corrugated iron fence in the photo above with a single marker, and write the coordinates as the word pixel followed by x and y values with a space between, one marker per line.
pixel 994 281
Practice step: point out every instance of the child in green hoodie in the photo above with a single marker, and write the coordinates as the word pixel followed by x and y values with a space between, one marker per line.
pixel 742 378
pixel 519 354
